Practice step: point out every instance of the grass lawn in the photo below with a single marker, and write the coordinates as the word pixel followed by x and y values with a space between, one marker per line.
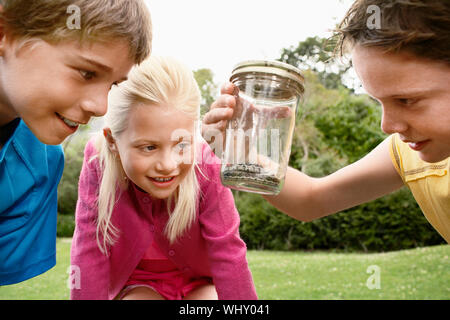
pixel 422 273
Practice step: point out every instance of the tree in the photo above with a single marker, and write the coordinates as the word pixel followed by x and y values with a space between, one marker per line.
pixel 208 88
pixel 316 54
pixel 68 186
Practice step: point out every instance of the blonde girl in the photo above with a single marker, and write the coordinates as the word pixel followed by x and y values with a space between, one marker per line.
pixel 152 219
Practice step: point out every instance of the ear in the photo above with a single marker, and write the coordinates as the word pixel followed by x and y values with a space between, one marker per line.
pixel 2 32
pixel 112 146
pixel 6 36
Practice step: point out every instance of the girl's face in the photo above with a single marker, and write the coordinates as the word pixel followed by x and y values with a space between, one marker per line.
pixel 156 149
pixel 415 97
pixel 56 87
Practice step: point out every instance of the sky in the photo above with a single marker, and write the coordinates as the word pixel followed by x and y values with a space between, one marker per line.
pixel 219 34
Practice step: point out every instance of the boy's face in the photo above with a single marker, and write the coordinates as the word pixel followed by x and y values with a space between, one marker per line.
pixel 415 97
pixel 156 148
pixel 56 87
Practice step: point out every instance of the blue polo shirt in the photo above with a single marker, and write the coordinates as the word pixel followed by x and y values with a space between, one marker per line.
pixel 29 175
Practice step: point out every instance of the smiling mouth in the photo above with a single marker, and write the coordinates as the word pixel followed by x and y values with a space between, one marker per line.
pixel 70 123
pixel 163 180
pixel 418 145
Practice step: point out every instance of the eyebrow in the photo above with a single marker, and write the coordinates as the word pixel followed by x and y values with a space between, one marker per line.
pixel 412 93
pixel 146 141
pixel 99 65
pixel 143 141
pixel 406 93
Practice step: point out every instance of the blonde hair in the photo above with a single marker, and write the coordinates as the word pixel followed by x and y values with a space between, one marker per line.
pixel 100 20
pixel 158 80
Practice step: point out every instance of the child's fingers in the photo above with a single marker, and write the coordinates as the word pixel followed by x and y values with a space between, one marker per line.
pixel 224 101
pixel 211 130
pixel 217 114
pixel 216 119
pixel 228 88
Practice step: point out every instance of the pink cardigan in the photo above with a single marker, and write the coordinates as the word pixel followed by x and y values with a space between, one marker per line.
pixel 211 247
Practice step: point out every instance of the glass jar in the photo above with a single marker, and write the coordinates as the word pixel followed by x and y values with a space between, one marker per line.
pixel 259 136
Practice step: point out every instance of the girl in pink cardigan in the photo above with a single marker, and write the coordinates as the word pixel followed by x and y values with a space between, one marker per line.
pixel 153 220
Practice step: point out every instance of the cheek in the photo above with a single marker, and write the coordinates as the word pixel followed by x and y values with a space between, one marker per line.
pixel 445 123
pixel 20 100
pixel 47 96
pixel 436 127
pixel 133 166
pixel 62 94
pixel 185 168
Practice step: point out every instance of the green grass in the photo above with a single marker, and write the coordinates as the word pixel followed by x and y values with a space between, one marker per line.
pixel 422 273
pixel 52 285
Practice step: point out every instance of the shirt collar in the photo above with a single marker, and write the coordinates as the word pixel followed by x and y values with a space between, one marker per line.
pixel 10 129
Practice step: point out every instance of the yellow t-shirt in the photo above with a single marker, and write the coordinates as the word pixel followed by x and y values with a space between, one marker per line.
pixel 429 184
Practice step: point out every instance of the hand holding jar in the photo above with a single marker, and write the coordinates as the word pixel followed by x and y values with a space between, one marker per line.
pixel 263 98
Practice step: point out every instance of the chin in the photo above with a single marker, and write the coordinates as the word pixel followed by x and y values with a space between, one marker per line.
pixel 49 137
pixel 50 140
pixel 161 195
pixel 430 158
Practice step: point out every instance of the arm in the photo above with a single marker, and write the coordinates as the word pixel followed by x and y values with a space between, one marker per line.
pixel 86 258
pixel 305 198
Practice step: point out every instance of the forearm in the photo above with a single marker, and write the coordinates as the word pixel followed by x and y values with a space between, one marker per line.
pixel 296 199
pixel 305 198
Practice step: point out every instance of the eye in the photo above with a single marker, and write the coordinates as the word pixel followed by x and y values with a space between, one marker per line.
pixel 148 148
pixel 406 101
pixel 182 147
pixel 87 75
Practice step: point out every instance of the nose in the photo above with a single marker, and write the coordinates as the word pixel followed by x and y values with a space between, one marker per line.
pixel 167 163
pixel 95 102
pixel 392 120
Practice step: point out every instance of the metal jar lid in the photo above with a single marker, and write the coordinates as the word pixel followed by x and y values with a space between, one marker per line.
pixel 270 67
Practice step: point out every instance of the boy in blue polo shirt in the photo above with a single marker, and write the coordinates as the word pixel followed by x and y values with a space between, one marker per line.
pixel 58 60
pixel 29 172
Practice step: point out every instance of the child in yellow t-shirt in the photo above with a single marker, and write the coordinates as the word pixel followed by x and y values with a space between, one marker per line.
pixel 405 65
pixel 428 182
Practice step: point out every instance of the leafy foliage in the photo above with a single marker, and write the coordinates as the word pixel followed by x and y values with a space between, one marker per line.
pixel 316 54
pixel 208 88
pixel 68 186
